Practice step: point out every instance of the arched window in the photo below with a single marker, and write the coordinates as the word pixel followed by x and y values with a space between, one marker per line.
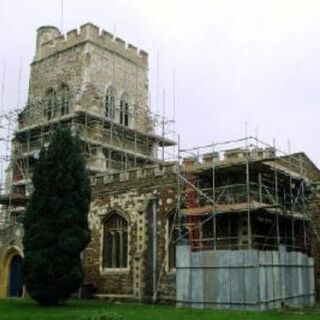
pixel 64 97
pixel 115 242
pixel 124 110
pixel 110 103
pixel 50 104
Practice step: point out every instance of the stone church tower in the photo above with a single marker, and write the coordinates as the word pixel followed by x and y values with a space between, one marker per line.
pixel 95 83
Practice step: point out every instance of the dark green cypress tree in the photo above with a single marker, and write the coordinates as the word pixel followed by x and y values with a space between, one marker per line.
pixel 56 221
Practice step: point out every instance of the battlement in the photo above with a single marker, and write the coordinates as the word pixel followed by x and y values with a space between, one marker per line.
pixel 227 157
pixel 145 173
pixel 149 172
pixel 50 41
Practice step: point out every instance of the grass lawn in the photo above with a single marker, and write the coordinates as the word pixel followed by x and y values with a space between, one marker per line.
pixel 23 309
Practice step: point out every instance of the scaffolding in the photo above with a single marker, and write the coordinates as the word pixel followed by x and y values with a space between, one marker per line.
pixel 275 188
pixel 108 146
pixel 128 136
pixel 248 179
pixel 239 195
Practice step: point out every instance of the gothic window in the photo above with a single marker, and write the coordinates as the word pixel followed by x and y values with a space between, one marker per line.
pixel 115 242
pixel 50 104
pixel 110 102
pixel 64 96
pixel 124 110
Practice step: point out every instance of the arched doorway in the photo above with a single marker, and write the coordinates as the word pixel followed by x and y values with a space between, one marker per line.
pixel 10 273
pixel 15 279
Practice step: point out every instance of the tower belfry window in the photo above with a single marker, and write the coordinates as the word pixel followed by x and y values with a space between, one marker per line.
pixel 109 104
pixel 64 99
pixel 50 104
pixel 124 110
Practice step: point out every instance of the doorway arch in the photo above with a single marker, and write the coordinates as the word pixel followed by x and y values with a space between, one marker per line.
pixel 15 278
pixel 10 273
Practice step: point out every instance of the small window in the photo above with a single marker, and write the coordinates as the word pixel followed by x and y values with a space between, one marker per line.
pixel 110 102
pixel 50 104
pixel 115 242
pixel 64 96
pixel 124 110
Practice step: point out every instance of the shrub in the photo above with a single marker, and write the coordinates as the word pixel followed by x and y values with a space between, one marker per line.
pixel 56 221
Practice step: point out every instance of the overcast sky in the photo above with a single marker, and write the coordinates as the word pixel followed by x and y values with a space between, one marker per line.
pixel 235 61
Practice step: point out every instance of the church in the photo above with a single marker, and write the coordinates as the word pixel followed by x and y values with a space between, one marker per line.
pixel 175 231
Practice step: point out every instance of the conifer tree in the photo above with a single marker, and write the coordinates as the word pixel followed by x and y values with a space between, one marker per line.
pixel 56 221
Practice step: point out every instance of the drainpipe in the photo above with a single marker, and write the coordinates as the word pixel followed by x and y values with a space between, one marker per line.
pixel 154 246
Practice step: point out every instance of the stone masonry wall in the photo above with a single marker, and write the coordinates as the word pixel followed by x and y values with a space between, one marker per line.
pixel 132 196
pixel 45 75
pixel 10 236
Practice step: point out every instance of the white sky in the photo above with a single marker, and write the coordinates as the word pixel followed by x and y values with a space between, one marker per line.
pixel 235 61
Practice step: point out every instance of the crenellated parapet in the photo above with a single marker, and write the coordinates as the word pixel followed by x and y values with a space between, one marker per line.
pixel 188 164
pixel 148 172
pixel 51 41
pixel 227 157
